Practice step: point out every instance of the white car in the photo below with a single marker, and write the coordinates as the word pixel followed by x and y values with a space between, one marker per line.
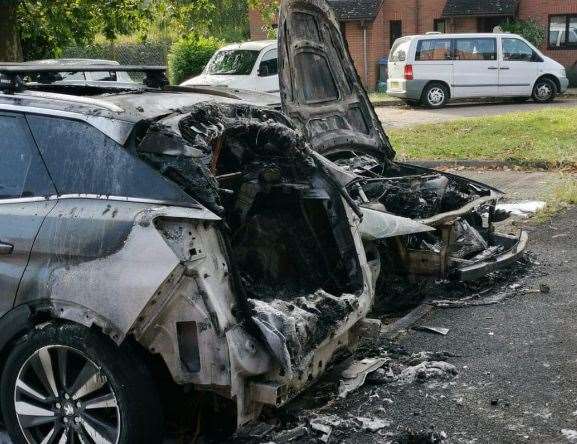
pixel 250 65
pixel 434 68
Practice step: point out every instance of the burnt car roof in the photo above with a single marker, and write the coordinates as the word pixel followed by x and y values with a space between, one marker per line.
pixel 132 106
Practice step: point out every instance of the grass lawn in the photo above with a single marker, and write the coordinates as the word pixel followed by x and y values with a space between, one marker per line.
pixel 381 97
pixel 548 136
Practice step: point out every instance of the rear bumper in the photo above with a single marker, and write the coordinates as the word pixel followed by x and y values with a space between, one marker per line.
pixel 406 89
pixel 514 249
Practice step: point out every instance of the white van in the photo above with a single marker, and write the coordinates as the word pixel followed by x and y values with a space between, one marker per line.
pixel 434 68
pixel 249 65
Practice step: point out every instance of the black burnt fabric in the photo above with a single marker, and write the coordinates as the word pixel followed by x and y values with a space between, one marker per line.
pixel 459 8
pixel 350 10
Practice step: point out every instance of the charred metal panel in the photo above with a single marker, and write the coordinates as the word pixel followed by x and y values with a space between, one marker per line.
pixel 86 247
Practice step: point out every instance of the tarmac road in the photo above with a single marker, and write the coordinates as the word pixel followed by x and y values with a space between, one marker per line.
pixel 517 360
pixel 405 116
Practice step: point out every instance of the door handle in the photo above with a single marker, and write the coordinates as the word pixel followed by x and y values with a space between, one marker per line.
pixel 6 248
pixel 492 67
pixel 505 68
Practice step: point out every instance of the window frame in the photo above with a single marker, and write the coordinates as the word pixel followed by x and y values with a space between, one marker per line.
pixel 566 45
pixel 35 152
pixel 265 53
pixel 535 57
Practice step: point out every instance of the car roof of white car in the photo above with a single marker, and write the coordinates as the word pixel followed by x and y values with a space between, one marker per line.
pixel 257 45
pixel 436 35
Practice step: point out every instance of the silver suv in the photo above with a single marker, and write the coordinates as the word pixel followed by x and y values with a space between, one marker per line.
pixel 192 227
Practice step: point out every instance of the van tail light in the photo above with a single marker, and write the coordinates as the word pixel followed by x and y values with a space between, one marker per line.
pixel 408 72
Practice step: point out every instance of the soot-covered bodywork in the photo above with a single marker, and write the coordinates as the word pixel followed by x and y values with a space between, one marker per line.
pixel 323 95
pixel 215 238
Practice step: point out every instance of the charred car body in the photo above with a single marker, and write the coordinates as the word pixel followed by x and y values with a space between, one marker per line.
pixel 190 226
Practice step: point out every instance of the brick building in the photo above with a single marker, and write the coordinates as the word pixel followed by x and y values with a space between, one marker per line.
pixel 371 26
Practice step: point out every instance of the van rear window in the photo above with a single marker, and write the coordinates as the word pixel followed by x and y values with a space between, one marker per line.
pixel 437 49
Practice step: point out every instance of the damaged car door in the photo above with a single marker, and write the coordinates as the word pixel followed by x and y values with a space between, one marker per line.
pixel 323 95
pixel 24 186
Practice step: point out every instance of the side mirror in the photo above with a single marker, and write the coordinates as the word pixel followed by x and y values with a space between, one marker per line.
pixel 263 71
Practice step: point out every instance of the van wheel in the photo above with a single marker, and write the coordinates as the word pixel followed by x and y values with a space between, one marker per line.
pixel 544 91
pixel 67 383
pixel 436 95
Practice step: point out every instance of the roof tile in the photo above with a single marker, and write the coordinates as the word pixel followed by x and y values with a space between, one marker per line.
pixel 349 10
pixel 477 8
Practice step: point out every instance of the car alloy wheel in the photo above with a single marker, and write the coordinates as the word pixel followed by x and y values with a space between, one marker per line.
pixel 544 91
pixel 436 96
pixel 61 396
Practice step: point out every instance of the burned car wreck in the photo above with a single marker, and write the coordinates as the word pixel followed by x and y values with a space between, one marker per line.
pixel 168 235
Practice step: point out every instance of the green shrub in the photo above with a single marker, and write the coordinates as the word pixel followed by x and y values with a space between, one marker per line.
pixel 187 57
pixel 529 29
pixel 572 76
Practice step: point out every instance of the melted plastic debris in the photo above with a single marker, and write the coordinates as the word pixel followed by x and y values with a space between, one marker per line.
pixel 319 414
pixel 356 374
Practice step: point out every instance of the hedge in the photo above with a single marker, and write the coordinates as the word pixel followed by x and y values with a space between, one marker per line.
pixel 188 57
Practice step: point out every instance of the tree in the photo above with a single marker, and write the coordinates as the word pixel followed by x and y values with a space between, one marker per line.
pixel 41 28
pixel 529 29
pixel 10 47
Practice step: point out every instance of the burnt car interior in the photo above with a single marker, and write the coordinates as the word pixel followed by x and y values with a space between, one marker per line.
pixel 284 219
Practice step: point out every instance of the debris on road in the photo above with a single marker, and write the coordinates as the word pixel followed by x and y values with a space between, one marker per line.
pixel 437 330
pixel 373 424
pixel 570 435
pixel 522 209
pixel 356 374
pixel 422 437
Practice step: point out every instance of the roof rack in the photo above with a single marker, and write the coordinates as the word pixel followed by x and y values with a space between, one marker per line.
pixel 11 73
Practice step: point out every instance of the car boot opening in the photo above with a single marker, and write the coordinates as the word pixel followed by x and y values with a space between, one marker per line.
pixel 286 222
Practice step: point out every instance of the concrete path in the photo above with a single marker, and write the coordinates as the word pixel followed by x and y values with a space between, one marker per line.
pixel 518 185
pixel 405 116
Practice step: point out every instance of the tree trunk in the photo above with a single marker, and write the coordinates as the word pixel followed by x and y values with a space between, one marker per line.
pixel 10 47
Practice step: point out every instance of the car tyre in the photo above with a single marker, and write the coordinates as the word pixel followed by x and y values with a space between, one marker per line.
pixel 67 383
pixel 435 95
pixel 544 91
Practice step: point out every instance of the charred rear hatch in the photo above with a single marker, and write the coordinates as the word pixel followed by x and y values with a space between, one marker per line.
pixel 320 88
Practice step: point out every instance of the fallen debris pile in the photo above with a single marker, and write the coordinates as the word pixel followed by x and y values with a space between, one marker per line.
pixel 379 364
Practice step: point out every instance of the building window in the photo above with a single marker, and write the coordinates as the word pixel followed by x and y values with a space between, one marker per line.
pixel 440 25
pixel 395 30
pixel 562 31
